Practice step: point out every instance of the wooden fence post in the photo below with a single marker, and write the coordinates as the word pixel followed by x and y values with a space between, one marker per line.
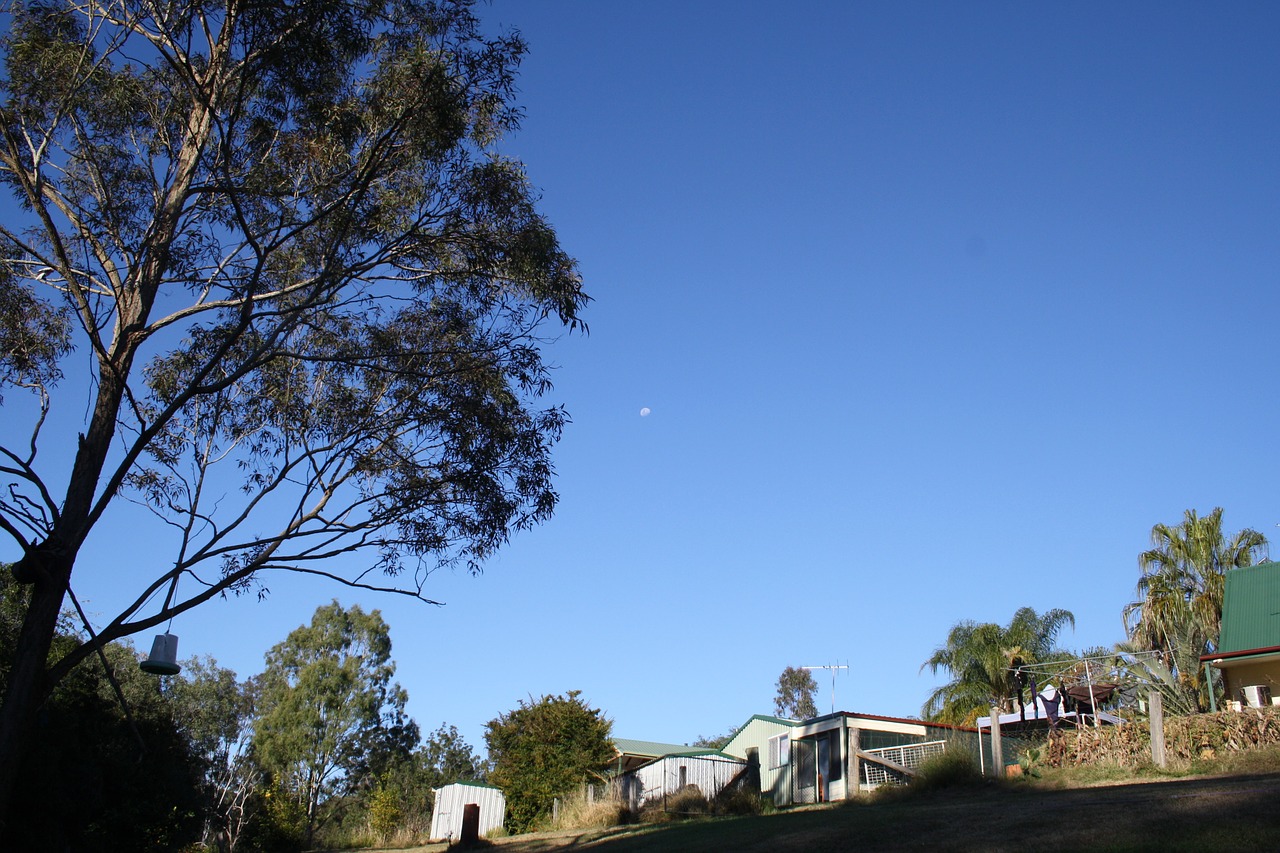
pixel 1156 704
pixel 997 748
pixel 854 782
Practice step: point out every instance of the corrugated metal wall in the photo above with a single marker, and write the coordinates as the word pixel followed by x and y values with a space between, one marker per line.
pixel 446 816
pixel 775 782
pixel 666 775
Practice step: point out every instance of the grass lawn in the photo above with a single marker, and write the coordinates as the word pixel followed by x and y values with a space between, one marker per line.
pixel 1238 812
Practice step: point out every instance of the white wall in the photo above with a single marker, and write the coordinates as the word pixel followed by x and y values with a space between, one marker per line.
pixel 446 816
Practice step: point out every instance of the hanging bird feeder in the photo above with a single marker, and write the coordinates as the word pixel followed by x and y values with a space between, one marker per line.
pixel 163 659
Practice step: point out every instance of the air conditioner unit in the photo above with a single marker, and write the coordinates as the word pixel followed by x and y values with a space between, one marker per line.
pixel 1257 695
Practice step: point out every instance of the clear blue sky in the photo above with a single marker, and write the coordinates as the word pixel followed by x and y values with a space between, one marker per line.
pixel 937 308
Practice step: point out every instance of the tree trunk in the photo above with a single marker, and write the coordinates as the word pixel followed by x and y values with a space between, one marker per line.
pixel 48 567
pixel 27 689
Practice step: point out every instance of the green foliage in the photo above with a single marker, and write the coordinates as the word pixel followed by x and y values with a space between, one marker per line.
pixel 96 778
pixel 982 660
pixel 950 769
pixel 34 335
pixel 715 741
pixel 1031 760
pixel 1179 609
pixel 445 757
pixel 442 758
pixel 385 814
pixel 1144 672
pixel 545 749
pixel 328 707
pixel 796 689
pixel 280 821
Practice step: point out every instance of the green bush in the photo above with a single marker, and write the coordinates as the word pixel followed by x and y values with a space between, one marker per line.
pixel 686 802
pixel 281 822
pixel 739 801
pixel 953 768
pixel 385 814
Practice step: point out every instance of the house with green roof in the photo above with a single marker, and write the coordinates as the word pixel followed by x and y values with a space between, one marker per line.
pixel 1248 653
pixel 811 761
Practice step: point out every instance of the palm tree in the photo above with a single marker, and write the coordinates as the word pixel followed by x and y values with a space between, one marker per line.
pixel 1179 608
pixel 983 660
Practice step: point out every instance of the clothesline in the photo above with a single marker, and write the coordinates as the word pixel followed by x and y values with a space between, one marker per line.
pixel 1056 669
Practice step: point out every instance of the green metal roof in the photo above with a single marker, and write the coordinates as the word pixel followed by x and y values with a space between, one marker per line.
pixel 652 749
pixel 1251 609
pixel 695 754
pixel 782 721
pixel 469 783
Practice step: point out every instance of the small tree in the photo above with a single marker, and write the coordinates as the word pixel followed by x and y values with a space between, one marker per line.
pixel 215 712
pixel 796 689
pixel 545 749
pixel 443 757
pixel 326 699
pixel 715 741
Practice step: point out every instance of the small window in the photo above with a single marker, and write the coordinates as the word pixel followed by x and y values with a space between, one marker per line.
pixel 684 776
pixel 779 751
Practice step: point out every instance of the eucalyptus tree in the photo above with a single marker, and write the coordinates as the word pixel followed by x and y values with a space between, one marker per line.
pixel 325 702
pixel 307 291
pixel 1179 607
pixel 983 660
pixel 796 689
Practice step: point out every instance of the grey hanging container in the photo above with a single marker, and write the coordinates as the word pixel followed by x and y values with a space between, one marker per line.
pixel 163 659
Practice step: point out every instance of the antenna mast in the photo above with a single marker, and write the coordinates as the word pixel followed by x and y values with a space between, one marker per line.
pixel 834 669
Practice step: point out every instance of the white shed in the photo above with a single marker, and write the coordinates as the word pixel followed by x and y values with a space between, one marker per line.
pixel 446 816
pixel 711 773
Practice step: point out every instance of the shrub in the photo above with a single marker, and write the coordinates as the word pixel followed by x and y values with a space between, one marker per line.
pixel 577 812
pixel 686 802
pixel 385 814
pixel 1030 760
pixel 953 768
pixel 739 801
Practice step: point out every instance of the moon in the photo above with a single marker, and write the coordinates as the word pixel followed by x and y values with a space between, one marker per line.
pixel 644 413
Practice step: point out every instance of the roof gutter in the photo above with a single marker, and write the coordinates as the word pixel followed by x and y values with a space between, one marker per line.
pixel 1215 657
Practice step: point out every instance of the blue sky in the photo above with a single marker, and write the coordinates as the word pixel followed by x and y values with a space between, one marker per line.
pixel 937 309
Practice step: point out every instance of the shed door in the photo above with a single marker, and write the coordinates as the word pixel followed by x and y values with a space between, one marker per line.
pixel 804 768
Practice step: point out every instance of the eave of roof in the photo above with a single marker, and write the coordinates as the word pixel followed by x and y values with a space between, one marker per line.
pixel 654 749
pixel 713 755
pixel 1226 659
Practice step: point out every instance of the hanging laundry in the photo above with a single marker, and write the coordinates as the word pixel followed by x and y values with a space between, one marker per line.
pixel 1051 699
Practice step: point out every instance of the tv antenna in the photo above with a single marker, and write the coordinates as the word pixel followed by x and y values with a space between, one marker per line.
pixel 835 668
